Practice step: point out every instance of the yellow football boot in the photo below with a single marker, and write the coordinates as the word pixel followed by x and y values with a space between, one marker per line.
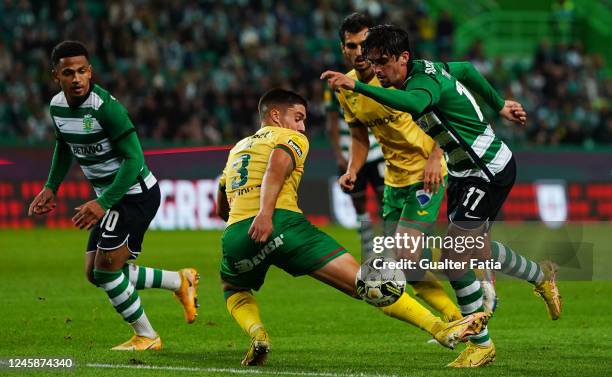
pixel 451 333
pixel 258 351
pixel 474 356
pixel 187 294
pixel 548 290
pixel 139 343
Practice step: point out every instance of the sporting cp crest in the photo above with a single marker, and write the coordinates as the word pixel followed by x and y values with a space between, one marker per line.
pixel 423 197
pixel 87 123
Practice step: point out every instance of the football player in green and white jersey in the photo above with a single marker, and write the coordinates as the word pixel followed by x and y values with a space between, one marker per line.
pixel 481 167
pixel 93 128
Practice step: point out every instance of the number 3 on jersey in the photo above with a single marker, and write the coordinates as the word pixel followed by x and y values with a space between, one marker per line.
pixel 240 164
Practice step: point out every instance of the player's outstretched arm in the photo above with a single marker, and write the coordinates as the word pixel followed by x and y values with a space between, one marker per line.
pixel 410 101
pixel 468 75
pixel 280 166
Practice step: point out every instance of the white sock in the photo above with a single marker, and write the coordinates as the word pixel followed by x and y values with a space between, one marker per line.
pixel 143 327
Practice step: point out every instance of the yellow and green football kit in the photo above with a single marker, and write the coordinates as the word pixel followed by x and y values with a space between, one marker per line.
pixel 295 245
pixel 406 149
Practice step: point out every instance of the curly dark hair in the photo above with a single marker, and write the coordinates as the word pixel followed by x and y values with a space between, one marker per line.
pixel 388 40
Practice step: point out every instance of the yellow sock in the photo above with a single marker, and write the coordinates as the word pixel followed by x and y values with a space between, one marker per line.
pixel 243 308
pixel 410 310
pixel 431 291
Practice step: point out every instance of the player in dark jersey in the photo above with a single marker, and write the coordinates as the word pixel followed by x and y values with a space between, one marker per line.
pixel 93 128
pixel 481 166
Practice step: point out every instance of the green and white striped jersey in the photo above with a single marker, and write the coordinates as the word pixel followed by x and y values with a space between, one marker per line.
pixel 90 131
pixel 456 122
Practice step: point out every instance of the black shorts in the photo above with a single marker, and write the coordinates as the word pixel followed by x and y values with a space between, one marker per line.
pixel 126 222
pixel 473 201
pixel 372 172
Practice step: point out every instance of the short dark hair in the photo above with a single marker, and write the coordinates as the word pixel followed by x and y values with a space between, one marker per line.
pixel 354 23
pixel 280 97
pixel 68 49
pixel 388 40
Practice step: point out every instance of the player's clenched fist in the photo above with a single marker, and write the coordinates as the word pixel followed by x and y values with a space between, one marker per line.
pixel 347 181
pixel 337 80
pixel 514 112
pixel 43 203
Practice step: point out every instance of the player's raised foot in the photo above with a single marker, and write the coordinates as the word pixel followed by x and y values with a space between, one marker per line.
pixel 139 343
pixel 187 294
pixel 548 290
pixel 474 356
pixel 258 351
pixel 451 333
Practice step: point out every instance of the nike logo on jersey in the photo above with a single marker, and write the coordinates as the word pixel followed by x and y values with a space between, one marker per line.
pixel 467 214
pixel 104 235
pixel 422 213
pixel 59 124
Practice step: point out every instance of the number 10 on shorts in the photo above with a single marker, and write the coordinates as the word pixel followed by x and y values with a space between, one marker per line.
pixel 109 221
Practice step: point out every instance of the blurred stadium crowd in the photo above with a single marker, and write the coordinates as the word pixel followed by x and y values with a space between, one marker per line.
pixel 192 71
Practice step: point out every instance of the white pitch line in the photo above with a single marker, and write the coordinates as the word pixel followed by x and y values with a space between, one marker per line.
pixel 236 371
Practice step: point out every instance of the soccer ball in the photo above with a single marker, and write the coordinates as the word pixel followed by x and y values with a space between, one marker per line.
pixel 379 286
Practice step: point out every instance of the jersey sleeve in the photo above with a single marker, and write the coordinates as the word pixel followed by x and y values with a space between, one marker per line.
pixel 427 83
pixel 133 160
pixel 413 101
pixel 349 116
pixel 467 74
pixel 60 162
pixel 296 145
pixel 114 119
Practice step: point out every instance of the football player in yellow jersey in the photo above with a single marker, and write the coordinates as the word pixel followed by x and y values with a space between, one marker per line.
pixel 258 198
pixel 415 170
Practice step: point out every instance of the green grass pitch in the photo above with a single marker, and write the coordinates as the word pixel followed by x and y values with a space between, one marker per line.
pixel 48 309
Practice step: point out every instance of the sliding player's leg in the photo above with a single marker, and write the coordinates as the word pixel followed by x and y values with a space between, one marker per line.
pixel 415 212
pixel 319 255
pixel 340 273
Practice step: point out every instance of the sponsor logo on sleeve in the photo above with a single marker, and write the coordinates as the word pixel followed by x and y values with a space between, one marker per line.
pixel 295 147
